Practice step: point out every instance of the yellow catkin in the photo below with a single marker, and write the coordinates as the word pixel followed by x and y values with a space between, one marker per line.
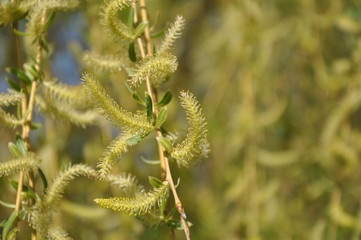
pixel 195 144
pixel 135 123
pixel 159 68
pixel 173 33
pixel 110 19
pixel 139 205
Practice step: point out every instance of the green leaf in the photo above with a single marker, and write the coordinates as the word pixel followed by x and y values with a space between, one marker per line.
pixel 140 29
pixel 22 215
pixel 21 33
pixel 156 183
pixel 43 179
pixel 151 162
pixel 157 34
pixel 131 52
pixel 13 84
pixel 135 139
pixel 12 234
pixel 8 205
pixel 163 204
pixel 149 105
pixel 166 144
pixel 165 100
pixel 34 125
pixel 29 192
pixel 163 131
pixel 15 184
pixel 19 74
pixel 128 87
pixel 131 19
pixel 162 117
pixel 15 152
pixel 31 71
pixel 8 225
pixel 49 21
pixel 171 212
pixel 20 144
pixel 177 224
pixel 44 44
pixel 177 184
pixel 137 99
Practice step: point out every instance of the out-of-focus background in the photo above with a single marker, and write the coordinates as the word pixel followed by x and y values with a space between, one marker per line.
pixel 280 84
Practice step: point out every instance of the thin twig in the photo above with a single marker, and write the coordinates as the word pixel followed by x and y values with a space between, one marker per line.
pixel 20 62
pixel 153 94
pixel 28 107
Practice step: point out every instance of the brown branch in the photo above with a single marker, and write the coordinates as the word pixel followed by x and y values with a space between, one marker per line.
pixel 28 107
pixel 20 62
pixel 167 174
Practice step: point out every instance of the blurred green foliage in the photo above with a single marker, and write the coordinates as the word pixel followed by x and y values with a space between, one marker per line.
pixel 280 83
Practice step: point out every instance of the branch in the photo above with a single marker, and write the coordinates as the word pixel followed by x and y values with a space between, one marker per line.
pixel 153 93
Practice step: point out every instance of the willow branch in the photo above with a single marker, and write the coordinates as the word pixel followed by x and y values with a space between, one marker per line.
pixel 20 62
pixel 167 174
pixel 28 107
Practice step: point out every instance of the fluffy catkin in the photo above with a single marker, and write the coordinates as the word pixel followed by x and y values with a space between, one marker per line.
pixel 135 123
pixel 138 205
pixel 56 189
pixel 195 143
pixel 173 33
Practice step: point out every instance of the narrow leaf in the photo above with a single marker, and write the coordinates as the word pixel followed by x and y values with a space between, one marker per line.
pixel 21 145
pixel 166 144
pixel 15 152
pixel 156 183
pixel 131 52
pixel 151 162
pixel 31 193
pixel 49 21
pixel 157 34
pixel 12 234
pixel 44 44
pixel 165 100
pixel 137 99
pixel 8 225
pixel 14 85
pixel 162 117
pixel 149 105
pixel 43 179
pixel 31 71
pixel 21 33
pixel 22 214
pixel 131 19
pixel 35 126
pixel 19 74
pixel 140 29
pixel 8 205
pixel 134 140
pixel 176 224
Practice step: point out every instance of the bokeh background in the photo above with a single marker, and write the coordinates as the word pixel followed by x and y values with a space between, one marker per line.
pixel 280 84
